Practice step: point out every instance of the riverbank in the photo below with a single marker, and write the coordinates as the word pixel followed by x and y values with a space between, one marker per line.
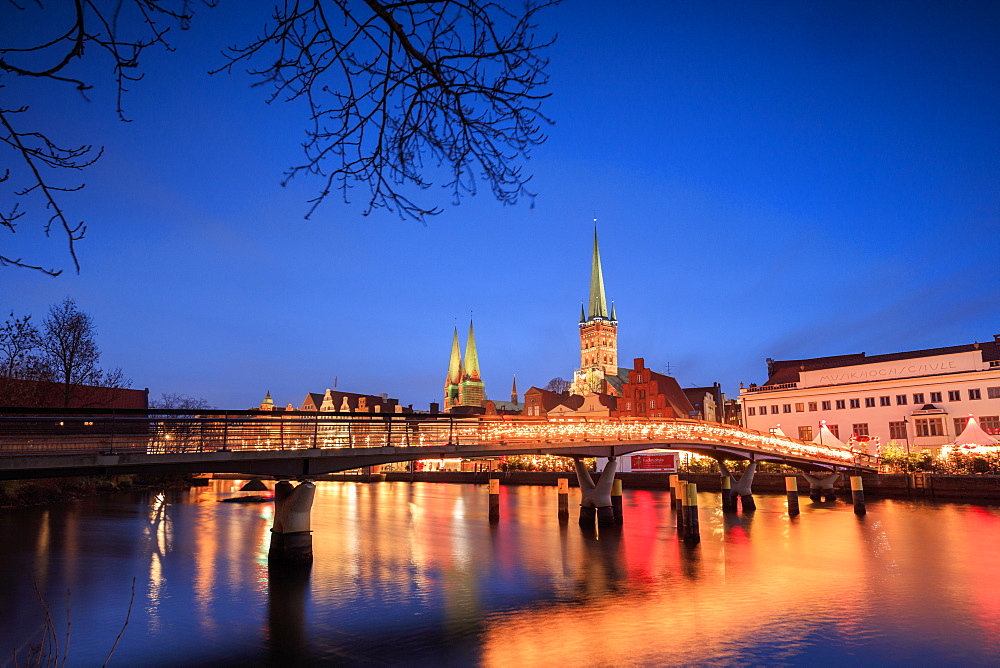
pixel 39 491
pixel 890 485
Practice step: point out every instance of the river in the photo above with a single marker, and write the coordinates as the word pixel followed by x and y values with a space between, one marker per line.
pixel 414 574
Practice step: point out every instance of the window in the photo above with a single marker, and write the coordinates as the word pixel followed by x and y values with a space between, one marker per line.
pixel 628 406
pixel 834 429
pixel 954 395
pixel 841 404
pixel 990 423
pixel 638 378
pixel 918 397
pixel 751 411
pixel 805 433
pixel 786 408
pixel 812 406
pixel 960 424
pixel 860 429
pixel 855 403
pixel 928 427
pixel 897 431
pixel 935 397
pixel 993 392
pixel 974 394
pixel 800 408
pixel 774 409
pixel 900 399
pixel 826 405
pixel 652 404
pixel 883 401
pixel 869 402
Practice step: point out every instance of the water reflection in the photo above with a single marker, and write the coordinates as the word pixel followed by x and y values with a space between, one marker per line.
pixel 414 573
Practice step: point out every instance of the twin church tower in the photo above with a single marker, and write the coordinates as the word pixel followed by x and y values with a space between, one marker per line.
pixel 598 351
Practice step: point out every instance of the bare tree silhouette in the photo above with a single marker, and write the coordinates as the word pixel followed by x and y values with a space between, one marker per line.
pixel 397 94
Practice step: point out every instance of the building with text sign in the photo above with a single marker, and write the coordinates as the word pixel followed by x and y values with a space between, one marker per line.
pixel 920 400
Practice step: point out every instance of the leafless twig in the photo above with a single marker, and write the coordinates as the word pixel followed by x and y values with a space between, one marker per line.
pixel 128 614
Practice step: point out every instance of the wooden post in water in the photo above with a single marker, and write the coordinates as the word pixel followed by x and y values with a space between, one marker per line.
pixel 858 495
pixel 692 531
pixel 563 489
pixel 616 502
pixel 728 502
pixel 792 491
pixel 494 500
pixel 679 505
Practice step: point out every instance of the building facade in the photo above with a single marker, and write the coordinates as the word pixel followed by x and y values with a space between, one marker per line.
pixel 649 394
pixel 918 400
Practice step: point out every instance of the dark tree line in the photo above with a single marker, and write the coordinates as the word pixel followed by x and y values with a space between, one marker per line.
pixel 62 351
pixel 398 93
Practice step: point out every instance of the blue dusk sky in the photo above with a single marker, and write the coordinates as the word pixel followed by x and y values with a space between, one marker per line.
pixel 786 180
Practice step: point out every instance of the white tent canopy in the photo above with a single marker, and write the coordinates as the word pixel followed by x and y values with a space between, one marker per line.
pixel 777 431
pixel 826 437
pixel 973 434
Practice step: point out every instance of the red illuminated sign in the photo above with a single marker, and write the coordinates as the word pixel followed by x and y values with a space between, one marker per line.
pixel 665 463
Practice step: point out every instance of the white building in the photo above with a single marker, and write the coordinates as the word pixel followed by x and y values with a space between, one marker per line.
pixel 920 399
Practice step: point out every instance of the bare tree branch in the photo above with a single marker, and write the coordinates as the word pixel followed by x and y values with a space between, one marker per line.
pixel 445 84
pixel 400 95
pixel 122 30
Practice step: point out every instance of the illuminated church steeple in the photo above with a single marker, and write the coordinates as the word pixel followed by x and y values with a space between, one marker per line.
pixel 598 335
pixel 464 385
pixel 454 377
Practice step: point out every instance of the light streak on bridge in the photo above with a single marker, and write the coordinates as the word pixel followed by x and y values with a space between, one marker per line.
pixel 383 438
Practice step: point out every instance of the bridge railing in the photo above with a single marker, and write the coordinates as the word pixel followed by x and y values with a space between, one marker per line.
pixel 166 432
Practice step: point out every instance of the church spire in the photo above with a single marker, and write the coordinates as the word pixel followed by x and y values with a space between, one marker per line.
pixel 455 364
pixel 513 390
pixel 471 356
pixel 598 303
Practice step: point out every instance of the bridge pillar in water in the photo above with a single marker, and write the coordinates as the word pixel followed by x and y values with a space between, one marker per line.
pixel 291 533
pixel 692 530
pixel 494 500
pixel 792 492
pixel 677 500
pixel 822 488
pixel 728 500
pixel 858 495
pixel 742 488
pixel 616 502
pixel 563 490
pixel 596 497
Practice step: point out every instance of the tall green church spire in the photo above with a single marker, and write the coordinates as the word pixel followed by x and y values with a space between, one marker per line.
pixel 455 364
pixel 471 356
pixel 598 303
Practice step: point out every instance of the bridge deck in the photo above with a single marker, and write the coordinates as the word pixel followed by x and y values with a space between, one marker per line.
pixel 310 443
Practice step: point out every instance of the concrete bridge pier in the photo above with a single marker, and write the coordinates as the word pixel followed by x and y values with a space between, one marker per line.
pixel 596 502
pixel 741 488
pixel 821 489
pixel 726 484
pixel 291 534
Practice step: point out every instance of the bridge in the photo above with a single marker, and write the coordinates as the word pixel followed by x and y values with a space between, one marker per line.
pixel 54 443
pixel 301 445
